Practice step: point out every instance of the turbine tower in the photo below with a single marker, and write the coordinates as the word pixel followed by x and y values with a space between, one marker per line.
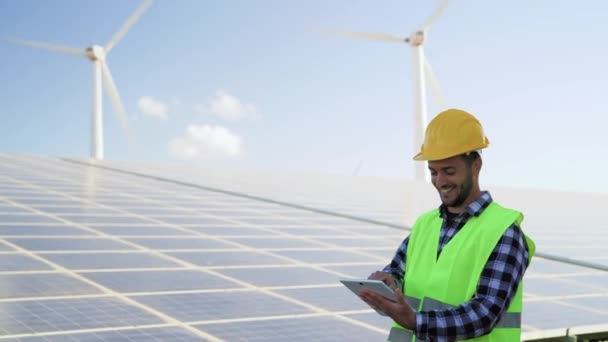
pixel 422 73
pixel 101 77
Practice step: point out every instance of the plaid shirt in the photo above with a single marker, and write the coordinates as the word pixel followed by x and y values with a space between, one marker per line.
pixel 497 285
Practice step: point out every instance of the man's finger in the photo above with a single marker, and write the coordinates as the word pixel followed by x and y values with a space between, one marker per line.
pixel 370 297
pixel 376 275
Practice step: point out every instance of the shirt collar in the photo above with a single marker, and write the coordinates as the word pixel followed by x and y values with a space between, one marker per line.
pixel 474 209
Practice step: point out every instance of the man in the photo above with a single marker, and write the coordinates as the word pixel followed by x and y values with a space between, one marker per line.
pixel 458 275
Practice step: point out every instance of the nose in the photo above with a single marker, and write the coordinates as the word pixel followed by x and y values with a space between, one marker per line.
pixel 439 179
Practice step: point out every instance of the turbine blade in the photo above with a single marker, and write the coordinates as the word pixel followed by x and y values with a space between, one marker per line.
pixel 433 84
pixel 47 46
pixel 377 36
pixel 127 25
pixel 110 87
pixel 435 15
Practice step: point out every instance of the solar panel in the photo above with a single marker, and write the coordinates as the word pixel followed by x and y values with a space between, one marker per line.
pixel 303 329
pixel 151 334
pixel 559 222
pixel 25 317
pixel 92 254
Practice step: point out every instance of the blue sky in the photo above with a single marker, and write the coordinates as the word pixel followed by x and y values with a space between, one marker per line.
pixel 273 94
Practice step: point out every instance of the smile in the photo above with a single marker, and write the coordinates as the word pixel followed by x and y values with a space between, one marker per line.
pixel 445 191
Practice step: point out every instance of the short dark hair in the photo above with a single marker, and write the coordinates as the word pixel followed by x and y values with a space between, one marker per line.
pixel 470 157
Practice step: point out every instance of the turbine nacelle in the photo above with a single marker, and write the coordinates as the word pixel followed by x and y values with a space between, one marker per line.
pixel 95 53
pixel 416 39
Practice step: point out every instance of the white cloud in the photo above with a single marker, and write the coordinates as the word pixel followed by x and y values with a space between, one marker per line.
pixel 152 107
pixel 228 107
pixel 205 142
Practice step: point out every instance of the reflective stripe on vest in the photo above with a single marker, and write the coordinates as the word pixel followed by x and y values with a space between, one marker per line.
pixel 402 335
pixel 508 319
pixel 413 301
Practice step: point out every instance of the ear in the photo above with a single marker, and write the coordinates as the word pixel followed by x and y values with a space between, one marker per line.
pixel 477 164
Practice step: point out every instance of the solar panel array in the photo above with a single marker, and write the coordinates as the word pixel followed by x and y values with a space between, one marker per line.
pixel 90 254
pixel 563 224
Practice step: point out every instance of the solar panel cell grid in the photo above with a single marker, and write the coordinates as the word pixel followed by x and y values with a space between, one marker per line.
pixel 7 219
pixel 23 317
pixel 228 258
pixel 277 242
pixel 117 219
pixel 186 242
pixel 305 329
pixel 332 298
pixel 11 210
pixel 100 261
pixel 158 281
pixel 21 262
pixel 72 244
pixel 40 230
pixel 42 285
pixel 558 314
pixel 228 231
pixel 143 335
pixel 281 276
pixel 220 306
pixel 121 230
pixel 326 256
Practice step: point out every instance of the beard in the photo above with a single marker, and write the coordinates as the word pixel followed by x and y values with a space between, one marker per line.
pixel 464 191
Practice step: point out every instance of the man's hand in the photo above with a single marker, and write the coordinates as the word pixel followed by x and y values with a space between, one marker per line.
pixel 400 311
pixel 387 278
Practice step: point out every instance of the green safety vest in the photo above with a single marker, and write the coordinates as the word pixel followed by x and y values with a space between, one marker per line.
pixel 433 283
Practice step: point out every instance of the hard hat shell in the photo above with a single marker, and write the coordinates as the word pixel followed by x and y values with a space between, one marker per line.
pixel 452 132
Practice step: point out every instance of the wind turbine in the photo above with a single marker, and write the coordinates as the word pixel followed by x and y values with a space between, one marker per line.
pixel 101 75
pixel 423 73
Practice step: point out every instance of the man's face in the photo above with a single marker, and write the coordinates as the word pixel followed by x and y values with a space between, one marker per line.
pixel 454 180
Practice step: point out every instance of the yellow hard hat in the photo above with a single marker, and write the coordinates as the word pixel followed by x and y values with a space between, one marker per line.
pixel 452 132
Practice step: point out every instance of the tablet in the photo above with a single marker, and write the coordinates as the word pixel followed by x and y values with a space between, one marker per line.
pixel 377 286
